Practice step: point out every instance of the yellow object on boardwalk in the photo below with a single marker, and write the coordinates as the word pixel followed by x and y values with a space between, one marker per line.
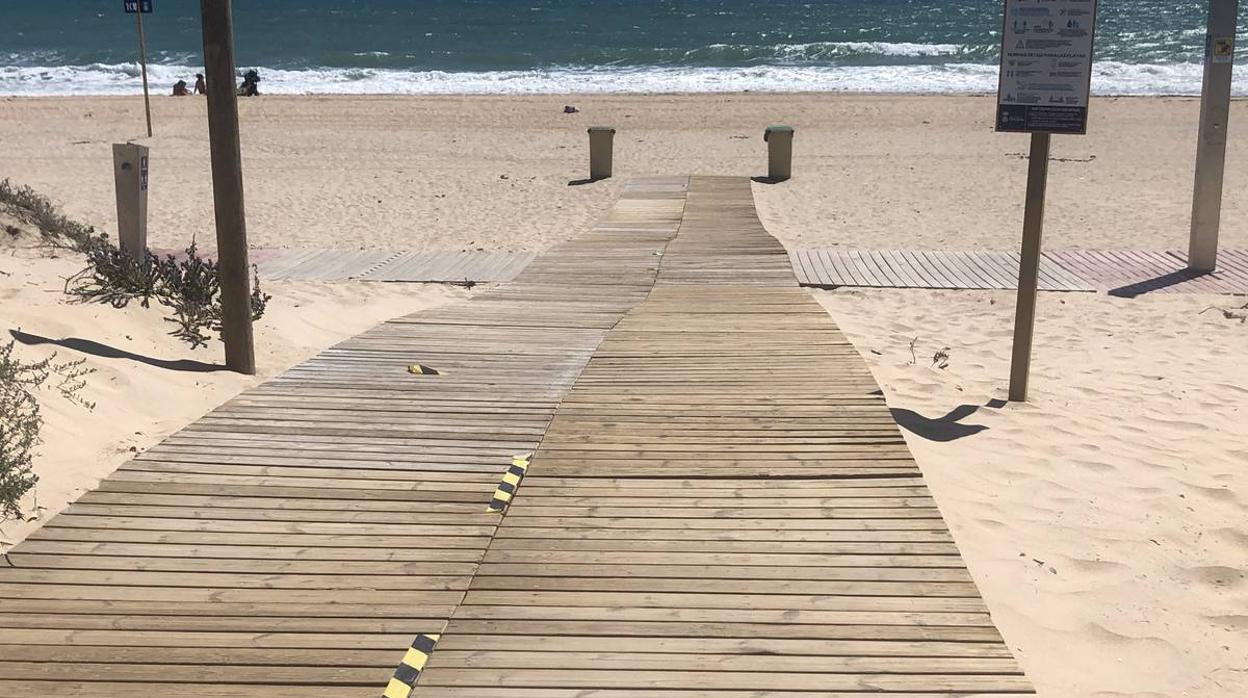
pixel 421 370
pixel 409 670
pixel 507 488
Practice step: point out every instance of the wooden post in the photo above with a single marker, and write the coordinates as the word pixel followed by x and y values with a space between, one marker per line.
pixel 227 186
pixel 1215 112
pixel 1029 266
pixel 130 173
pixel 147 99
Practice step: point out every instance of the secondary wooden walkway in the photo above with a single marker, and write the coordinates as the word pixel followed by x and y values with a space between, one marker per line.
pixel 1118 272
pixel 720 504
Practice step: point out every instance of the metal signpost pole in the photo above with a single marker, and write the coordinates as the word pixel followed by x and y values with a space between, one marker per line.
pixel 1215 112
pixel 227 186
pixel 1046 74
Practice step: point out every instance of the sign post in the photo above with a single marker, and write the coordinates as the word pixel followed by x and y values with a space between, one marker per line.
pixel 227 186
pixel 1215 112
pixel 138 8
pixel 130 173
pixel 1046 77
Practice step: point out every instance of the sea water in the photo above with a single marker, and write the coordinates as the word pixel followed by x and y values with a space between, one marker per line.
pixel 60 47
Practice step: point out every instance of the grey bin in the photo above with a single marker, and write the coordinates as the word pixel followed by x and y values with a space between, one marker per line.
pixel 779 141
pixel 600 151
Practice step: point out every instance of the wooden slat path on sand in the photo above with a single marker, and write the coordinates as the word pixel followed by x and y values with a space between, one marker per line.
pixel 428 266
pixel 720 504
pixel 1119 272
pixel 296 539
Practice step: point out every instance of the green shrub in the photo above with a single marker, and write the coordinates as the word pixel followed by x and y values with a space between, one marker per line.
pixel 55 228
pixel 189 287
pixel 21 420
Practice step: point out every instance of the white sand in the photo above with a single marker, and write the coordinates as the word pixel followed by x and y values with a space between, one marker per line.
pixel 1106 520
pixel 1124 476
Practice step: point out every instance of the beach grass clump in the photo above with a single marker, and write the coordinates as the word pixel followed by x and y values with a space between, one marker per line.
pixel 189 286
pixel 21 420
pixel 37 211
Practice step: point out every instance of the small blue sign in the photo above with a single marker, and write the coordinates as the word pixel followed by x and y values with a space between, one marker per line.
pixel 133 6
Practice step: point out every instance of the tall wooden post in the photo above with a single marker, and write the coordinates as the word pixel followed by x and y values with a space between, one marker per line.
pixel 1029 266
pixel 1215 112
pixel 147 99
pixel 227 186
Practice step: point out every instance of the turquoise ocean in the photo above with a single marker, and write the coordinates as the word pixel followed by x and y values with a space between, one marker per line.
pixel 58 47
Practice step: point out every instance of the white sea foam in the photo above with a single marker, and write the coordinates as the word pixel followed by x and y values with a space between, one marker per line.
pixel 823 51
pixel 1111 78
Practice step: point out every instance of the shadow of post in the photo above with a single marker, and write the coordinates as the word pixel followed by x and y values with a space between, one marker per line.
pixel 104 351
pixel 943 429
pixel 1174 278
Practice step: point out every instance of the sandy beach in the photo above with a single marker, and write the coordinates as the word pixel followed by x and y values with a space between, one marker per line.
pixel 493 172
pixel 1104 521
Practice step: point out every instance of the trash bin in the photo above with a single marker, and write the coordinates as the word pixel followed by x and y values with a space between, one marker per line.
pixel 779 152
pixel 600 156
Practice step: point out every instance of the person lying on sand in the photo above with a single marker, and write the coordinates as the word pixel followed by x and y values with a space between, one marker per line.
pixel 179 89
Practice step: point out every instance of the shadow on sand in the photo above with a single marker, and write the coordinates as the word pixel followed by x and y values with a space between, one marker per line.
pixel 587 180
pixel 769 180
pixel 87 346
pixel 946 428
pixel 1156 284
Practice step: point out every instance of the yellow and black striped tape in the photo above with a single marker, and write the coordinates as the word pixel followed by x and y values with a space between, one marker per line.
pixel 421 370
pixel 409 670
pixel 511 481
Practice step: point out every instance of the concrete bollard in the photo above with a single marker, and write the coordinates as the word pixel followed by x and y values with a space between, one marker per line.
pixel 130 179
pixel 600 155
pixel 779 141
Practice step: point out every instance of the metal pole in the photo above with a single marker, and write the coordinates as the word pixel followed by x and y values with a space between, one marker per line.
pixel 1215 112
pixel 147 100
pixel 1029 266
pixel 227 186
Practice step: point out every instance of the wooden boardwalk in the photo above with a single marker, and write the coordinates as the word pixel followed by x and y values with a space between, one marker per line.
pixel 1119 272
pixel 444 266
pixel 720 504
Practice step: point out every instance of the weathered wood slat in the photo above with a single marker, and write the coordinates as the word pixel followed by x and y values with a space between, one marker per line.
pixel 1123 272
pixel 296 539
pixel 722 501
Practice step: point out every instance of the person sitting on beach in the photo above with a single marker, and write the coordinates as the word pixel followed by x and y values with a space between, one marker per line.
pixel 201 87
pixel 251 84
pixel 179 89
